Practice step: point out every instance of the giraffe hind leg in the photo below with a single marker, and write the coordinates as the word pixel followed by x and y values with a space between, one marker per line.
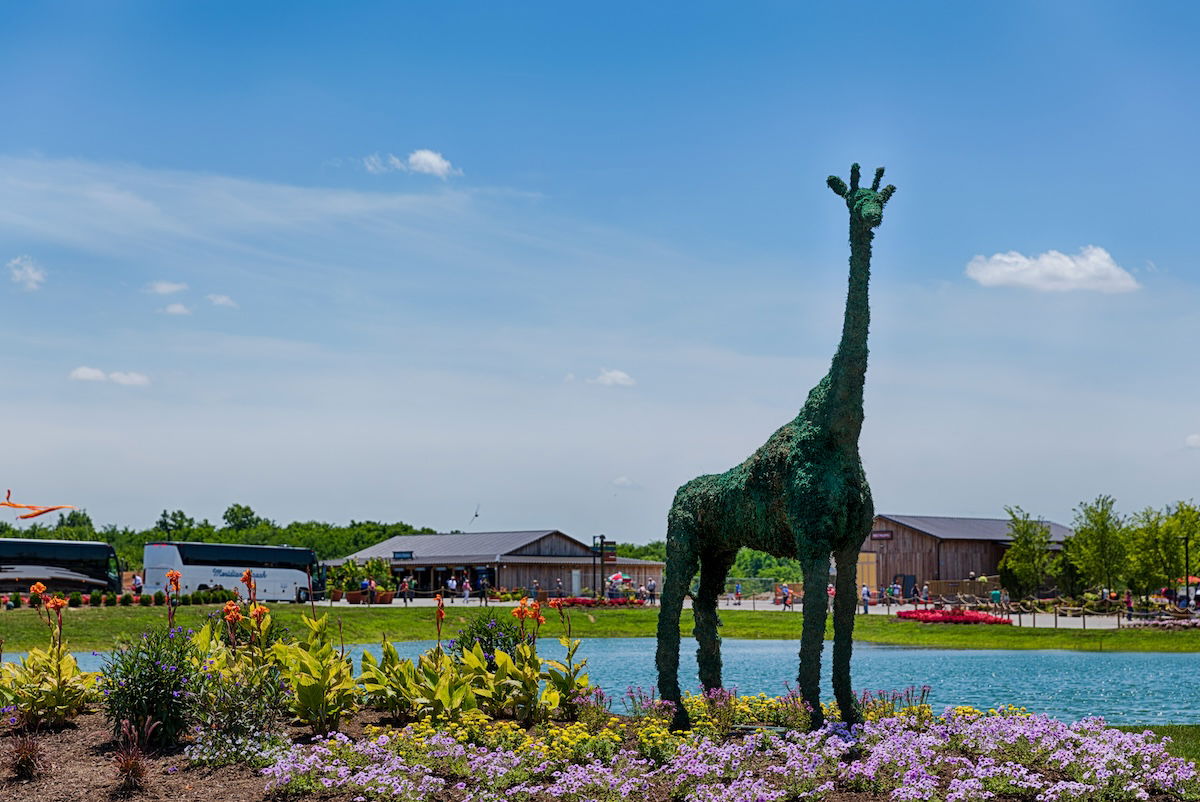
pixel 682 548
pixel 812 634
pixel 714 569
pixel 845 603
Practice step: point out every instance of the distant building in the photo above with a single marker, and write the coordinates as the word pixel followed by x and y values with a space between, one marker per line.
pixel 504 559
pixel 931 547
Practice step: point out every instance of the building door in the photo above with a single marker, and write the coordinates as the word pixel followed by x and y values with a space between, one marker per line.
pixel 868 569
pixel 576 582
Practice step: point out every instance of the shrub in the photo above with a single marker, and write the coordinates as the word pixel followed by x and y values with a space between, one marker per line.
pixel 492 634
pixel 236 691
pixel 75 599
pixel 130 758
pixel 149 681
pixel 16 600
pixel 145 600
pixel 159 598
pixel 25 758
pixel 110 600
pixel 95 598
pixel 185 599
pixel 126 599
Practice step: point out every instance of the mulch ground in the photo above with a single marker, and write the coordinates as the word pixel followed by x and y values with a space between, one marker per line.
pixel 81 769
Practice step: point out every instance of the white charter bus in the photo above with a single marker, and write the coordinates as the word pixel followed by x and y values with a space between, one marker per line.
pixel 281 573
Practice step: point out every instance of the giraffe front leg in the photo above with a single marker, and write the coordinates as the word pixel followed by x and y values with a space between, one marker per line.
pixel 714 568
pixel 845 603
pixel 681 567
pixel 812 636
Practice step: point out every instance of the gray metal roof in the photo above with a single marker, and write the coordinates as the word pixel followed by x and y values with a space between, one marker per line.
pixel 944 528
pixel 471 545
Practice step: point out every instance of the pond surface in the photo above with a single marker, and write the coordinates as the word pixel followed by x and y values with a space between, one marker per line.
pixel 1125 687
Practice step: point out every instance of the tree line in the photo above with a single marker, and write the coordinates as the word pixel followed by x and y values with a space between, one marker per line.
pixel 749 564
pixel 1144 552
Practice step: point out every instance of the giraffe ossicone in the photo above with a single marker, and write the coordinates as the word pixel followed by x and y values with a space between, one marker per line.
pixel 802 495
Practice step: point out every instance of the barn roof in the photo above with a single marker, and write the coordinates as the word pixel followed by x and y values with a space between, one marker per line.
pixel 946 528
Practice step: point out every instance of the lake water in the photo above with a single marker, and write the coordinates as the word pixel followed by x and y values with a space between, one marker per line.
pixel 1126 687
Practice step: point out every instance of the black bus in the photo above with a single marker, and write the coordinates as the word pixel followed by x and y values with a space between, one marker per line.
pixel 60 565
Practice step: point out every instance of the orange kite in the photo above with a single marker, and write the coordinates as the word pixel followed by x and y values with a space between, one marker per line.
pixel 37 510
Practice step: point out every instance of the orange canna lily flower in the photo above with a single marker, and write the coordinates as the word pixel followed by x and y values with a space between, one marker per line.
pixel 55 604
pixel 259 612
pixel 37 589
pixel 173 579
pixel 37 509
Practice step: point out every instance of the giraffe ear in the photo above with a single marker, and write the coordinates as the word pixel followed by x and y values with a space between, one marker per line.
pixel 885 194
pixel 837 185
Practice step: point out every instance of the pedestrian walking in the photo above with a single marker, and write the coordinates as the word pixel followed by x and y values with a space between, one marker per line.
pixel 451 588
pixel 737 594
pixel 866 599
pixel 466 590
pixel 652 591
pixel 404 591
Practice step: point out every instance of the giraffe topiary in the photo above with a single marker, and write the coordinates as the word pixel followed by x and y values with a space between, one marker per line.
pixel 802 495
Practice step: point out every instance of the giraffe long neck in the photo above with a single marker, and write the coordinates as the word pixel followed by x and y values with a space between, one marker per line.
pixel 849 369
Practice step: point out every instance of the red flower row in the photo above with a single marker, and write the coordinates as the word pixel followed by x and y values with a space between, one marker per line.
pixel 952 617
pixel 584 601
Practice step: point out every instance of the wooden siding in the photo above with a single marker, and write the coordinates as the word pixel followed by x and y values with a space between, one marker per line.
pixel 554 544
pixel 912 552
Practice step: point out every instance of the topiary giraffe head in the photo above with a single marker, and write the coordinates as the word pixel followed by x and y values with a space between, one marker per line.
pixel 866 205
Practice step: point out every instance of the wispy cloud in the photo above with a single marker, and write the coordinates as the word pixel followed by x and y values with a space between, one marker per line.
pixel 26 272
pixel 130 379
pixel 165 287
pixel 1092 269
pixel 84 373
pixel 222 300
pixel 1192 441
pixel 613 378
pixel 423 160
pixel 176 309
pixel 625 483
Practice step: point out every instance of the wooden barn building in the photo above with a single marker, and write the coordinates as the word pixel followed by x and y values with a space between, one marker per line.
pixel 505 560
pixel 912 549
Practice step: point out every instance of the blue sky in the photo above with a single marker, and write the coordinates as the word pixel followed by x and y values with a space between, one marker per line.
pixel 393 261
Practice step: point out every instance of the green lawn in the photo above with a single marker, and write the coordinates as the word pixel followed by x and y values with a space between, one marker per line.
pixel 1185 739
pixel 100 628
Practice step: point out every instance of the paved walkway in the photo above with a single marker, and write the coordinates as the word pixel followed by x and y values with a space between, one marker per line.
pixel 1039 621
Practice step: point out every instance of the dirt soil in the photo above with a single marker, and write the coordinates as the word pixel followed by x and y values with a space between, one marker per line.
pixel 81 769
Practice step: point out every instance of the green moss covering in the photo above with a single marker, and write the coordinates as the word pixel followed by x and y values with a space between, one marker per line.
pixel 802 495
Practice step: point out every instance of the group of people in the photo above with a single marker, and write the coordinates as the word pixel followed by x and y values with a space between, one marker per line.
pixel 464 587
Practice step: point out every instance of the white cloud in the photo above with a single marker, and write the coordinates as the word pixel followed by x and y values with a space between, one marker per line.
pixel 1092 269
pixel 129 379
pixel 432 163
pixel 625 483
pixel 26 272
pixel 1192 441
pixel 165 287
pixel 222 300
pixel 423 160
pixel 176 309
pixel 613 378
pixel 86 374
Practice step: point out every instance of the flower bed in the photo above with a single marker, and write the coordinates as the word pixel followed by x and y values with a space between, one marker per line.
pixel 951 617
pixel 584 601
pixel 962 756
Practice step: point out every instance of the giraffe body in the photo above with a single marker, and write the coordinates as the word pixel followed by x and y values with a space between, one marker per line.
pixel 802 495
